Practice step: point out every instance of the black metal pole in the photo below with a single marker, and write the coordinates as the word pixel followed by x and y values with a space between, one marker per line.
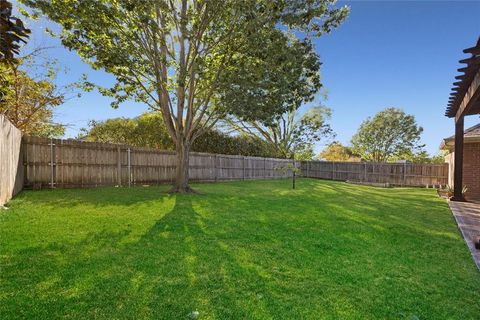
pixel 294 168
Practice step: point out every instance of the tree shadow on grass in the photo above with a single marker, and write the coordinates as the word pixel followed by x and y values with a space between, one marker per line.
pixel 174 269
pixel 99 197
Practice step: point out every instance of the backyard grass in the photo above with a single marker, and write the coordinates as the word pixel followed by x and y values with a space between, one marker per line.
pixel 240 250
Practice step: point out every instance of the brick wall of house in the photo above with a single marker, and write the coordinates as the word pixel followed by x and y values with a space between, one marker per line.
pixel 471 170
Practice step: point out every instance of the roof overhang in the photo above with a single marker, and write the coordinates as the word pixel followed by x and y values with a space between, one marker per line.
pixel 449 143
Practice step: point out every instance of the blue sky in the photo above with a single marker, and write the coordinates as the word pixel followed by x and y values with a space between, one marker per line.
pixel 387 54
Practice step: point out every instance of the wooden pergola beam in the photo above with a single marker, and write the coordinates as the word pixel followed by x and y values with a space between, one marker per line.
pixel 473 50
pixel 471 96
pixel 471 61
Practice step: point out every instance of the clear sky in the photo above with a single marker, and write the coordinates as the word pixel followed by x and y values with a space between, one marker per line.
pixel 387 54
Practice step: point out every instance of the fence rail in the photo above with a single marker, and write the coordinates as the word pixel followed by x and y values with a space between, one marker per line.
pixel 52 163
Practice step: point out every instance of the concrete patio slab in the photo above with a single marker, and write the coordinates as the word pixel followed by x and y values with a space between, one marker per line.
pixel 467 215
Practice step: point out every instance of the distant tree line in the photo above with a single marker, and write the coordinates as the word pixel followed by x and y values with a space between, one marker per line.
pixel 390 136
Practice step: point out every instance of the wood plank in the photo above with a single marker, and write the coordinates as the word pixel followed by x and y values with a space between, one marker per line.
pixel 470 97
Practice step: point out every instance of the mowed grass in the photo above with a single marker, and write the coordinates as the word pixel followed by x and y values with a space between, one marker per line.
pixel 240 250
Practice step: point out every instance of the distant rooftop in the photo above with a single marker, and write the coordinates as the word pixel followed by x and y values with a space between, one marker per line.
pixel 471 134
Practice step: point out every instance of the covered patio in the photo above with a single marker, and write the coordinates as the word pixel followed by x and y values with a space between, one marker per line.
pixel 464 101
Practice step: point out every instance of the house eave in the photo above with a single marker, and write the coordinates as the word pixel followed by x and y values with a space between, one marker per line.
pixel 449 143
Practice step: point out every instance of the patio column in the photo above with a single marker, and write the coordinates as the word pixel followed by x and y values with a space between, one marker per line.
pixel 458 164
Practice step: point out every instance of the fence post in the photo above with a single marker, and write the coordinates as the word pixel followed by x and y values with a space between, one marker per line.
pixel 264 169
pixel 129 167
pixel 365 171
pixel 119 166
pixel 61 163
pixel 215 167
pixel 333 170
pixel 52 164
pixel 25 162
pixel 243 167
pixel 404 174
pixel 421 174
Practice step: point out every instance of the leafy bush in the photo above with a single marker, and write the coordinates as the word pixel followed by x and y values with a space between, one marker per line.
pixel 148 130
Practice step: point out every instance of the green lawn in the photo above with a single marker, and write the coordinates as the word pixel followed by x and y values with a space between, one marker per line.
pixel 240 250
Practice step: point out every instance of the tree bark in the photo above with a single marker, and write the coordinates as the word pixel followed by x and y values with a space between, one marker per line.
pixel 181 174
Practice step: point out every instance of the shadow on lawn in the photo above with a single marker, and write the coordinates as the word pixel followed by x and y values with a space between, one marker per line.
pixel 174 269
pixel 101 196
pixel 202 274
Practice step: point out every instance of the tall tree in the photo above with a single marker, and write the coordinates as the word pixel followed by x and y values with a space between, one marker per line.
pixel 389 133
pixel 174 55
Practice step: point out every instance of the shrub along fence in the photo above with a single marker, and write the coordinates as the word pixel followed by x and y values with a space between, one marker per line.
pixel 11 162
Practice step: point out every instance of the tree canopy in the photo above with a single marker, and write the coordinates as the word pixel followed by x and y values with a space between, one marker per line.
pixel 180 57
pixel 287 77
pixel 389 133
pixel 290 134
pixel 295 71
pixel 29 99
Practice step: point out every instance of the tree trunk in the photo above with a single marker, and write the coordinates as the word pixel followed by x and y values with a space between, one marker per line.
pixel 181 175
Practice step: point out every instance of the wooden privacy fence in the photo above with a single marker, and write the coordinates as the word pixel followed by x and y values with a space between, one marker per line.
pixel 11 165
pixel 398 174
pixel 51 163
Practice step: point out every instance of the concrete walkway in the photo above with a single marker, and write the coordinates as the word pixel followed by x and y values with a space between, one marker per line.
pixel 467 215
